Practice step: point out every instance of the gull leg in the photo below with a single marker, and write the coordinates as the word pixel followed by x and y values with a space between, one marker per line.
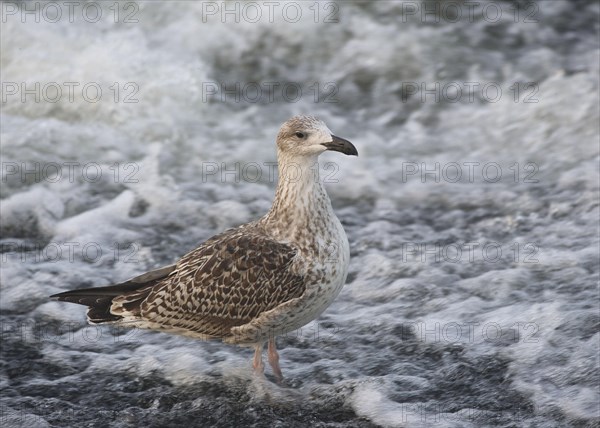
pixel 274 360
pixel 257 363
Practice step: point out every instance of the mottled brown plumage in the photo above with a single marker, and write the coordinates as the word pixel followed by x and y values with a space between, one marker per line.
pixel 254 282
pixel 227 282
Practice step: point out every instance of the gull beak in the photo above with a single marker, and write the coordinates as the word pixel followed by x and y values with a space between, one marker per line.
pixel 338 144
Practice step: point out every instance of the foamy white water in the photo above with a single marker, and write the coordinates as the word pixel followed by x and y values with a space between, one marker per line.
pixel 473 219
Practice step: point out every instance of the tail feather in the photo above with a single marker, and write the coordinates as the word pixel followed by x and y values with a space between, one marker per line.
pixel 99 300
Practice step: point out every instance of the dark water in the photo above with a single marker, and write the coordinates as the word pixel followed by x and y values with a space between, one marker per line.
pixel 472 210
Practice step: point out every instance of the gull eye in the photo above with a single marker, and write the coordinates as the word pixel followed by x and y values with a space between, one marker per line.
pixel 300 135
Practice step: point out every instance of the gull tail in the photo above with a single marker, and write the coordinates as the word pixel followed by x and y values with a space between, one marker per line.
pixel 100 300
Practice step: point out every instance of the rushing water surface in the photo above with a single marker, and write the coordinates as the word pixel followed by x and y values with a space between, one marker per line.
pixel 472 295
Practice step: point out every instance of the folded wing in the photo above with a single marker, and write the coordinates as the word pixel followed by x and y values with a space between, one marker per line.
pixel 226 282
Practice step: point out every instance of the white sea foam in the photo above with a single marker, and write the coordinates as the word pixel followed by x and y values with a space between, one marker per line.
pixel 368 341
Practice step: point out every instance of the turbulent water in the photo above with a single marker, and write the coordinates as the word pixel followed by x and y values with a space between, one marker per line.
pixel 132 132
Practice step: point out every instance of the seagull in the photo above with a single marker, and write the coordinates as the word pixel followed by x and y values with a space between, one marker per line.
pixel 254 282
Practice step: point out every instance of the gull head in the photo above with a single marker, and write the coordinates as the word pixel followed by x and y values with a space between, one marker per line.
pixel 307 136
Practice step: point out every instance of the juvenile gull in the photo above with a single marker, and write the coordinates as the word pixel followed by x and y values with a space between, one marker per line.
pixel 253 282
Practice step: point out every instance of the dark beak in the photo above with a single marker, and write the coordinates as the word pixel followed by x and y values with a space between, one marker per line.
pixel 338 144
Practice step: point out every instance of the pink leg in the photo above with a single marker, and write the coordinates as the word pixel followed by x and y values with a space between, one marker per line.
pixel 257 363
pixel 274 360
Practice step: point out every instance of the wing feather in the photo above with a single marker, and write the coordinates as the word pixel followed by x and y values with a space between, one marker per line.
pixel 228 281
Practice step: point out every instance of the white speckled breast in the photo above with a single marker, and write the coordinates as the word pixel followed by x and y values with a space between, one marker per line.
pixel 305 219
